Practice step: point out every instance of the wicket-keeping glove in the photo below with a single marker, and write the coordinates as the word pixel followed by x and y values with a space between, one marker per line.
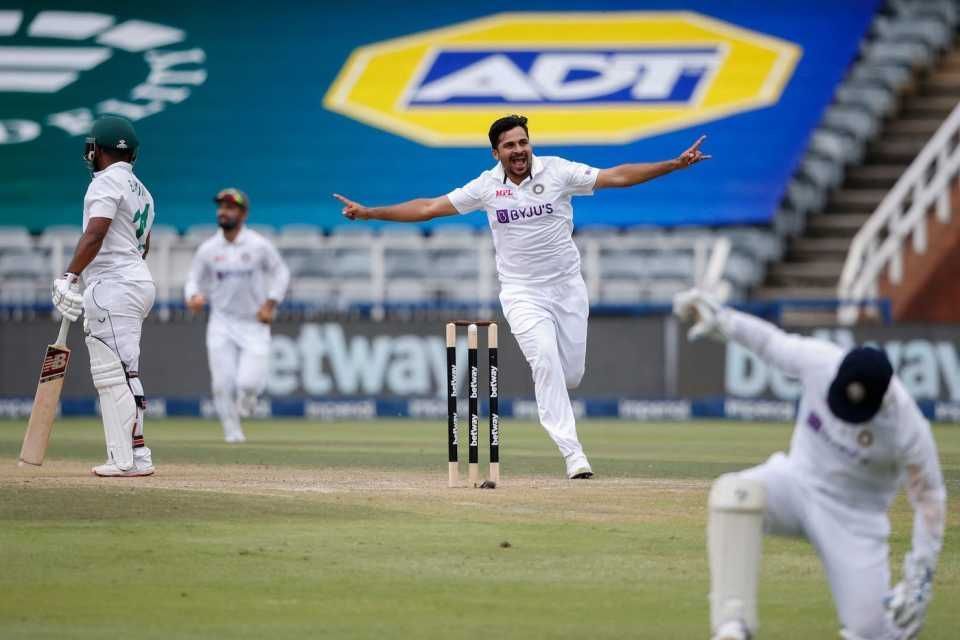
pixel 65 297
pixel 701 309
pixel 907 602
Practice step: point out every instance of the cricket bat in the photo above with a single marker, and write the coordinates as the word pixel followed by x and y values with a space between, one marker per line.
pixel 47 400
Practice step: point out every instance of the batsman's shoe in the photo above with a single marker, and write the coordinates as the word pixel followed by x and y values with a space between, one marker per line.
pixel 235 438
pixel 143 460
pixel 733 630
pixel 110 470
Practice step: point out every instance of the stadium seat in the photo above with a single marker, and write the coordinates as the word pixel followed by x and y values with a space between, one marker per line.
pixel 823 173
pixel 299 233
pixel 405 231
pixel 852 120
pixel 349 292
pixel 266 230
pixel 622 292
pixel 163 233
pixel 916 55
pixel 406 291
pixel 352 263
pixel 453 230
pixel 352 231
pixel 197 233
pixel 877 100
pixel 312 290
pixel 25 264
pixel 892 76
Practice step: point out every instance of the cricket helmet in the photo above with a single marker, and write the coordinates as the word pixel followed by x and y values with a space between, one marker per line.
pixel 114 133
pixel 857 391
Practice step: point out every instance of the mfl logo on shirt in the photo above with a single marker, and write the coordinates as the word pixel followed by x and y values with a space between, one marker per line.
pixel 582 77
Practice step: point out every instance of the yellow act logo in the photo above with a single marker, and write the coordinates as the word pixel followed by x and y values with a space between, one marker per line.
pixel 581 77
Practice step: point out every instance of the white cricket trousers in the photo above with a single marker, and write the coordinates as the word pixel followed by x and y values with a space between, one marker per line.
pixel 550 325
pixel 114 311
pixel 238 352
pixel 851 543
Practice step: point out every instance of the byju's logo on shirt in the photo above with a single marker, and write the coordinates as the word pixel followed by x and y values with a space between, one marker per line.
pixel 522 213
pixel 583 77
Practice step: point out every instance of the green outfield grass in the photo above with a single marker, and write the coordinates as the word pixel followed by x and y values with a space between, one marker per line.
pixel 347 530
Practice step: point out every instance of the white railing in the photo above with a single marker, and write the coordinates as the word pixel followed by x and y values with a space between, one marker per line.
pixel 903 212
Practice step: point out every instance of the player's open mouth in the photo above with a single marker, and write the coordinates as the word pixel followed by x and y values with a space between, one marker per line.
pixel 519 162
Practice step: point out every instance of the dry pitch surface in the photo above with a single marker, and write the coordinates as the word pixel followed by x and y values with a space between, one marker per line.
pixel 348 531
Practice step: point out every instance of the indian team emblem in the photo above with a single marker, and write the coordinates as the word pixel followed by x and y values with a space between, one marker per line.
pixel 49 53
pixel 585 77
pixel 865 438
pixel 538 188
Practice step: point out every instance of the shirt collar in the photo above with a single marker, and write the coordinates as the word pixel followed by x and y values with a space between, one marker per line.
pixel 123 165
pixel 536 166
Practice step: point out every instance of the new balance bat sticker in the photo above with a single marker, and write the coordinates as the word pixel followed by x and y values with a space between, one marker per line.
pixel 47 400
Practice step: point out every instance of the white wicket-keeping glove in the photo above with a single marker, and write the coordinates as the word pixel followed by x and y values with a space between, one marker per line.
pixel 701 309
pixel 65 297
pixel 907 602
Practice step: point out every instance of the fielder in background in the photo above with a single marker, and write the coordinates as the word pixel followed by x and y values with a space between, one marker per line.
pixel 543 295
pixel 859 436
pixel 243 277
pixel 119 291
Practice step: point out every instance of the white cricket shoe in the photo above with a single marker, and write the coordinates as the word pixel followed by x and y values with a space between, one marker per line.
pixel 732 630
pixel 110 470
pixel 143 460
pixel 235 438
pixel 578 468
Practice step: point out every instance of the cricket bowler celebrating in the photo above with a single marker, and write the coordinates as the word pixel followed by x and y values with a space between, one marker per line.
pixel 118 213
pixel 242 275
pixel 859 436
pixel 544 297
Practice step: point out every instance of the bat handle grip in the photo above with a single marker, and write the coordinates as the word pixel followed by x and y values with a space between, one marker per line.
pixel 64 329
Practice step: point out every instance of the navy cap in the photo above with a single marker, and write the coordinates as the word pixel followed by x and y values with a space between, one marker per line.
pixel 856 393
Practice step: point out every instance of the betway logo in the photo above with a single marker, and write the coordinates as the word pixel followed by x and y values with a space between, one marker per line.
pixel 322 360
pixel 549 76
pixel 930 370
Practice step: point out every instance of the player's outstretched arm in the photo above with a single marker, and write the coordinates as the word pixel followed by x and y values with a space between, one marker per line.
pixel 419 210
pixel 791 353
pixel 627 175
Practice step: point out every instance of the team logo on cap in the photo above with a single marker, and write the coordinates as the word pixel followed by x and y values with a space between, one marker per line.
pixel 587 77
pixel 45 53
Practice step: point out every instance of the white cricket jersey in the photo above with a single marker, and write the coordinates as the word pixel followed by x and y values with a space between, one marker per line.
pixel 237 277
pixel 860 465
pixel 117 194
pixel 532 223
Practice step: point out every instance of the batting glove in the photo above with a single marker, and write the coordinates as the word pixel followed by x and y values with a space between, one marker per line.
pixel 701 309
pixel 907 602
pixel 65 297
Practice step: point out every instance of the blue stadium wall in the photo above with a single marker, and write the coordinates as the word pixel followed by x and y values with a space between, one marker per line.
pixel 292 101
